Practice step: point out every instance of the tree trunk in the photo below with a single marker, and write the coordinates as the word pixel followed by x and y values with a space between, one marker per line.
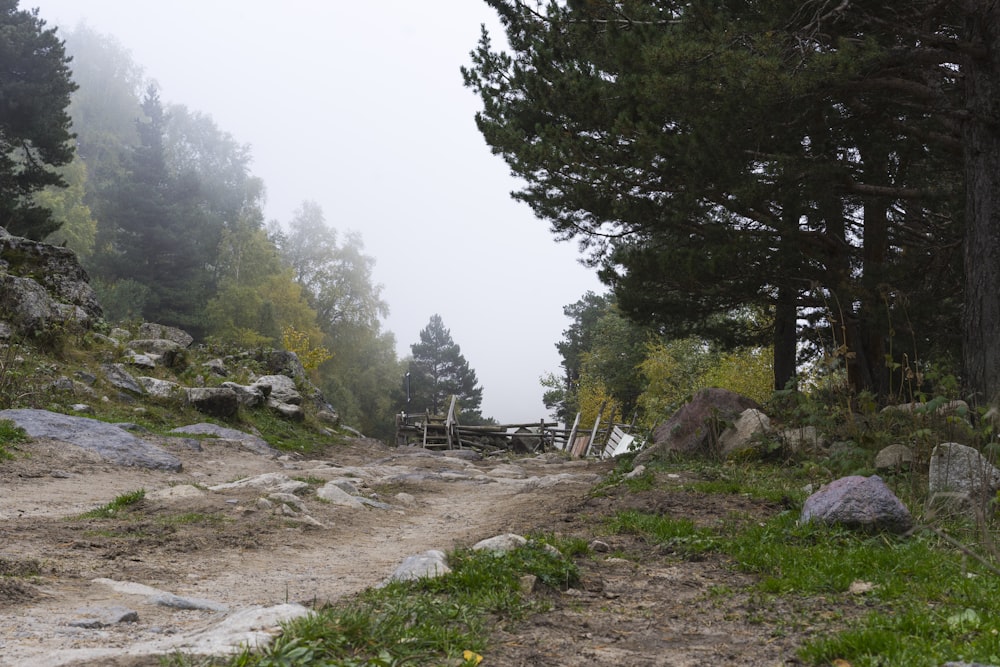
pixel 874 329
pixel 785 337
pixel 981 143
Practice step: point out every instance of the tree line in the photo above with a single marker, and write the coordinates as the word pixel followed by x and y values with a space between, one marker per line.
pixel 163 210
pixel 828 167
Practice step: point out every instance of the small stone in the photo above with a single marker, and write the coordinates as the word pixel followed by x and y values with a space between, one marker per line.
pixel 599 546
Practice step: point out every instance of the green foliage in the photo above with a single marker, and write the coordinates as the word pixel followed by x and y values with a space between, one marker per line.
pixel 123 300
pixel 309 354
pixel 117 506
pixel 77 226
pixel 15 378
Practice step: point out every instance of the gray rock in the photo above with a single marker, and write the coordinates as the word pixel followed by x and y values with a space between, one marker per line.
pixel 134 358
pixel 744 433
pixel 102 618
pixel 328 417
pixel 272 482
pixel 120 334
pixel 500 543
pixel 158 346
pixel 120 378
pixel 287 410
pixel 162 389
pixel 110 442
pixel 803 439
pixel 428 565
pixel 42 286
pixel 280 388
pixel 695 428
pixel 332 493
pixel 864 503
pixel 151 330
pixel 960 469
pixel 178 602
pixel 287 363
pixel 635 472
pixel 249 397
pixel 893 458
pixel 217 367
pixel 251 442
pixel 216 401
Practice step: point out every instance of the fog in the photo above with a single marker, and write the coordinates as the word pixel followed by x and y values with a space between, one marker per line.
pixel 360 107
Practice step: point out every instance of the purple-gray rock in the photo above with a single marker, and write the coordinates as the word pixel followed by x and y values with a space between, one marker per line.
pixel 111 443
pixel 695 428
pixel 864 503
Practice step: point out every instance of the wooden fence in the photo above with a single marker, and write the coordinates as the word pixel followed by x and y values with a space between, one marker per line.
pixel 602 440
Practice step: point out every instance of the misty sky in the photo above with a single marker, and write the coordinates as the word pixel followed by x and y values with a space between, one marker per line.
pixel 359 106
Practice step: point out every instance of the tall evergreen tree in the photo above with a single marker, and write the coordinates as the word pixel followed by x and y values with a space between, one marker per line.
pixel 35 89
pixel 154 230
pixel 438 370
pixel 710 158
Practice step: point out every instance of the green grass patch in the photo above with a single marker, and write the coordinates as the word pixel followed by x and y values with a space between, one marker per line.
pixel 424 622
pixel 928 604
pixel 117 506
pixel 11 435
pixel 191 518
pixel 679 535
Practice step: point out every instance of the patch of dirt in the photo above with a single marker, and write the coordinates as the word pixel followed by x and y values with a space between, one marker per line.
pixel 637 605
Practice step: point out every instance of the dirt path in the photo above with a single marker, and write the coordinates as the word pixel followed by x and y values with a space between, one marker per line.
pixel 226 547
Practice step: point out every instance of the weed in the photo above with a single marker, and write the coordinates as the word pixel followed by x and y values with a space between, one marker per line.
pixel 11 435
pixel 119 504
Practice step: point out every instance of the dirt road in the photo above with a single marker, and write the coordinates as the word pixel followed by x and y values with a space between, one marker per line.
pixel 228 548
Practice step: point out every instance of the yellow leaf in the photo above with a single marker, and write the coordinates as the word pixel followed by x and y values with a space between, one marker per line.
pixel 475 658
pixel 841 663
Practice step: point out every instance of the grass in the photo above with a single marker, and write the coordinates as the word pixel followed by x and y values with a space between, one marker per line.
pixel 927 604
pixel 444 620
pixel 11 435
pixel 117 506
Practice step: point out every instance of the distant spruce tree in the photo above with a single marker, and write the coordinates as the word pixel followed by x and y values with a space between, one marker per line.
pixel 35 88
pixel 438 370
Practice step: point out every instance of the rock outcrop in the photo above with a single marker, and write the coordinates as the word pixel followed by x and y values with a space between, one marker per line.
pixel 42 288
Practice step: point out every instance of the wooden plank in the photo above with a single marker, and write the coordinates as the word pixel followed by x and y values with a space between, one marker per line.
pixel 597 423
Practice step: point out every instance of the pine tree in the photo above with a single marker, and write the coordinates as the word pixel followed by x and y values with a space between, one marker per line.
pixel 716 156
pixel 35 88
pixel 438 371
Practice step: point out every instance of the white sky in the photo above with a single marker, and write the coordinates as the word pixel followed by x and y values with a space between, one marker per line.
pixel 360 107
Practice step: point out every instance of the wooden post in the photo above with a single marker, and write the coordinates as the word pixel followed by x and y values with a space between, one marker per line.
pixel 572 434
pixel 449 422
pixel 593 433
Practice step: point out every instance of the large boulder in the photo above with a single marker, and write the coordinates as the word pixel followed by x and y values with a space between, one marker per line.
pixel 862 503
pixel 152 330
pixel 280 388
pixel 41 287
pixel 110 442
pixel 216 401
pixel 696 427
pixel 962 470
